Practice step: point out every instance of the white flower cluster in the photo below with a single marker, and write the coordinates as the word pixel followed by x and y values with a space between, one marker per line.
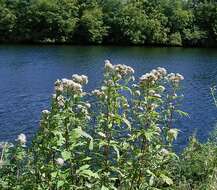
pixel 153 76
pixel 81 79
pixel 60 161
pixel 175 78
pixel 59 99
pixel 82 109
pixel 75 84
pixel 45 114
pixel 154 94
pixel 72 86
pixel 98 93
pixel 119 70
pixel 22 138
pixel 164 152
pixel 173 133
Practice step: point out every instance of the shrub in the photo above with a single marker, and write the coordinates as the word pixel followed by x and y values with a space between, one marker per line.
pixel 119 136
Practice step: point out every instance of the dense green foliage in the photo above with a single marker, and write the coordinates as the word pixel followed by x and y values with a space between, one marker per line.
pixel 138 22
pixel 119 136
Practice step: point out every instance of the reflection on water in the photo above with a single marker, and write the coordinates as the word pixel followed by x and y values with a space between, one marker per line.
pixel 27 74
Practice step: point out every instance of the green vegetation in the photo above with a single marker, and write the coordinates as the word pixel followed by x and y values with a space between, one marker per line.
pixel 135 22
pixel 119 136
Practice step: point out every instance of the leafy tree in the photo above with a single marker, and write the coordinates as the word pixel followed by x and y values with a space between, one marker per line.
pixel 53 20
pixel 138 22
pixel 7 21
pixel 132 22
pixel 91 26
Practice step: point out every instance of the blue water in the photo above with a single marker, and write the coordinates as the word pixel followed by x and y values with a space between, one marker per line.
pixel 27 74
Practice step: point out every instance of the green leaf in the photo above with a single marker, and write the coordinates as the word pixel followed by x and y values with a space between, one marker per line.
pixel 104 188
pixel 89 173
pixel 53 174
pixel 80 132
pixel 127 123
pixel 60 184
pixel 91 144
pixel 101 134
pixel 66 155
pixel 166 179
pixel 117 151
pixel 84 167
pixel 182 113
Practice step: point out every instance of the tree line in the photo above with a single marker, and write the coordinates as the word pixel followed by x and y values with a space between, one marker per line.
pixel 131 22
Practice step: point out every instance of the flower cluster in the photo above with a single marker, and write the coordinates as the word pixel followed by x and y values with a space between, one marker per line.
pixel 153 76
pixel 60 101
pixel 98 93
pixel 119 70
pixel 80 79
pixel 22 139
pixel 60 161
pixel 74 85
pixel 175 78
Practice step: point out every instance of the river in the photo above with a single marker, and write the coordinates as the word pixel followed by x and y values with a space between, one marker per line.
pixel 27 74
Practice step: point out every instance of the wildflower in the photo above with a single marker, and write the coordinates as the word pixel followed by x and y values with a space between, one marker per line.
pixel 45 113
pixel 172 133
pixel 164 151
pixel 109 82
pixel 123 70
pixel 60 161
pixel 180 76
pixel 71 85
pixel 85 79
pixel 21 138
pixel 54 96
pixel 81 79
pixel 59 86
pixel 156 73
pixel 175 78
pixel 148 78
pixel 108 66
pixel 98 93
pixel 60 101
pixel 162 71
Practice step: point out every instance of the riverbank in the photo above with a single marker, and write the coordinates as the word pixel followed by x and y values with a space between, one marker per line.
pixel 167 22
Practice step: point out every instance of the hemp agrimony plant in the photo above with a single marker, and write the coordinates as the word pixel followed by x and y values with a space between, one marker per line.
pixel 118 136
